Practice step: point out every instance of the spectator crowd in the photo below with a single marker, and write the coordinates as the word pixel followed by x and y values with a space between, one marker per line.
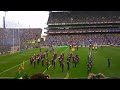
pixel 84 17
pixel 83 39
pixel 26 38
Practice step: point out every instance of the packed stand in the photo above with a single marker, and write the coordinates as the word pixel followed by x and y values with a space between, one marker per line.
pixel 64 31
pixel 82 39
pixel 84 17
pixel 26 38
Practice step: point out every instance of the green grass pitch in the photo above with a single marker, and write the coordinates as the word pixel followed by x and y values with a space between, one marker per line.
pixel 9 63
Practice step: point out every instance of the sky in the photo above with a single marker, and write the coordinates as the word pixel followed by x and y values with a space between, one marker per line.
pixel 25 19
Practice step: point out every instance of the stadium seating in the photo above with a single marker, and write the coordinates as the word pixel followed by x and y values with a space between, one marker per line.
pixel 103 28
pixel 83 39
pixel 84 17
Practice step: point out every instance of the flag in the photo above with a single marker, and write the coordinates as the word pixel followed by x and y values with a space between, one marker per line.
pixel 22 66
pixel 20 73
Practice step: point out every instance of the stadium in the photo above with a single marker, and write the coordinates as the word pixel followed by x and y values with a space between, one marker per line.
pixel 77 45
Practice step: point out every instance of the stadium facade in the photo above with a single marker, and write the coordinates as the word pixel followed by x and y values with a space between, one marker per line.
pixel 78 27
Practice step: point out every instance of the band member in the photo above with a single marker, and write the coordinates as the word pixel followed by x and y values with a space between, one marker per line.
pixel 60 62
pixel 46 54
pixel 73 58
pixel 42 62
pixel 40 49
pixel 54 63
pixel 77 58
pixel 47 64
pixel 31 60
pixel 68 64
pixel 109 63
pixel 71 54
pixel 59 59
pixel 62 56
pixel 75 63
pixel 68 58
pixel 88 67
pixel 34 61
pixel 55 55
pixel 38 59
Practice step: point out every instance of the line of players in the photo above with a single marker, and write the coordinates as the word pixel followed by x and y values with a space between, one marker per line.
pixel 75 60
pixel 89 65
pixel 41 57
pixel 38 58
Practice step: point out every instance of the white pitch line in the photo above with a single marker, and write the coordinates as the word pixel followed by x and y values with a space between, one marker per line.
pixel 7 77
pixel 55 60
pixel 12 67
pixel 46 69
